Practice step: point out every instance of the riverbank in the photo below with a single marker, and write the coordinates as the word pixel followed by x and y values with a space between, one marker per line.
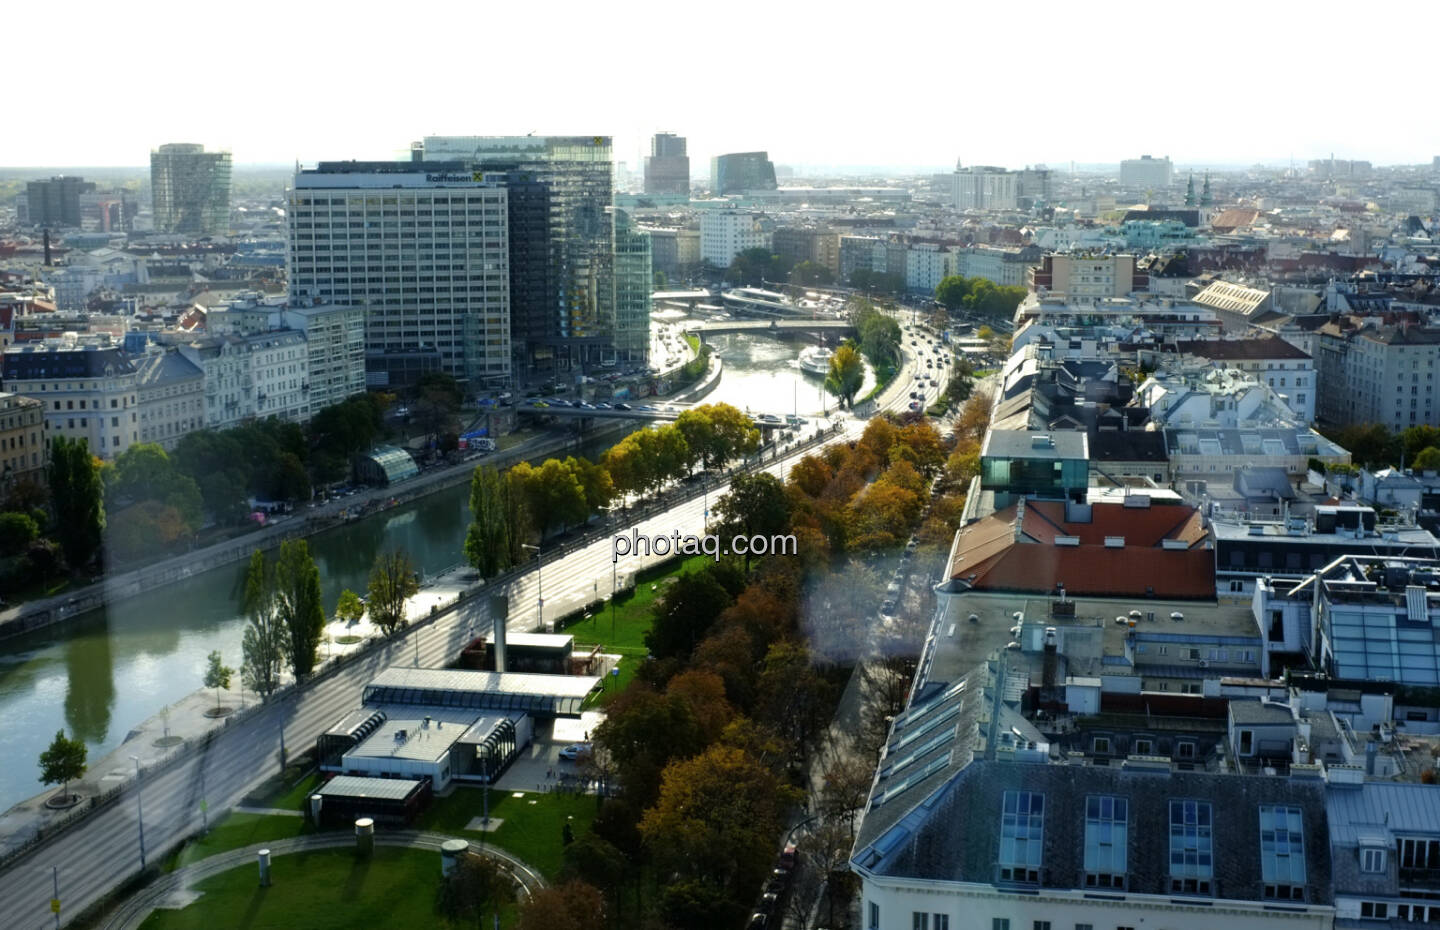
pixel 77 603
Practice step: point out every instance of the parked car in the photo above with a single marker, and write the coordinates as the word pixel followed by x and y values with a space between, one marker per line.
pixel 575 751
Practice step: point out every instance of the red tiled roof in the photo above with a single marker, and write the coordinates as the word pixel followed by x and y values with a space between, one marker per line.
pixel 991 556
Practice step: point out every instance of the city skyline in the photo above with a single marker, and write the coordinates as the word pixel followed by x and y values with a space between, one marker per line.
pixel 901 105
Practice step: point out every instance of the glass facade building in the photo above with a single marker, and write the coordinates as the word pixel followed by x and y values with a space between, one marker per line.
pixel 190 189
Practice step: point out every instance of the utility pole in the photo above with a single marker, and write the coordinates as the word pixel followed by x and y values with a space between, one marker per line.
pixel 140 809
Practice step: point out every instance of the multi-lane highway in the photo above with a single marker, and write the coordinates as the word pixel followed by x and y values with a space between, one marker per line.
pixel 100 853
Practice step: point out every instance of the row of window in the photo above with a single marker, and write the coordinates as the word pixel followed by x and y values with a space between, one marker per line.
pixel 1192 862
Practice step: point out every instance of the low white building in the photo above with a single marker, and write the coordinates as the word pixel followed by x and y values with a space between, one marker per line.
pixel 1282 367
pixel 262 375
pixel 926 265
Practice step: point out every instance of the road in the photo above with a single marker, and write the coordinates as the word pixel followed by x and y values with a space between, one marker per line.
pixel 103 851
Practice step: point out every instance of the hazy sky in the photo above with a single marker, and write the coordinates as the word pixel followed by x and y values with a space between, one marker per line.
pixel 892 83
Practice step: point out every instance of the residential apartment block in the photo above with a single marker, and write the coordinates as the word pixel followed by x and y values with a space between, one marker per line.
pixel 726 233
pixel 171 392
pixel 87 387
pixel 23 446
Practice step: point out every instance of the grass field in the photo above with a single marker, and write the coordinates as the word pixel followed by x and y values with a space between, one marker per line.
pixel 321 890
pixel 234 831
pixel 532 824
pixel 625 632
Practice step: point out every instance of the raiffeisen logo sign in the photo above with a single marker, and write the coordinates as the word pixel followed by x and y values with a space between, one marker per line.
pixel 474 177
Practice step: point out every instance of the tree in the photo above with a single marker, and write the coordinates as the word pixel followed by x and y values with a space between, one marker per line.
pixel 1427 459
pixel 217 675
pixel 349 607
pixel 755 267
pixel 17 532
pixel 756 506
pixel 847 374
pixel 642 731
pixel 487 541
pixel 473 890
pixel 808 274
pixel 554 496
pixel 573 905
pixel 297 604
pixel 733 434
pixel 974 417
pixel 595 483
pixel 952 291
pixel 76 493
pixel 717 817
pixel 263 645
pixel 392 583
pixel 685 612
pixel 64 761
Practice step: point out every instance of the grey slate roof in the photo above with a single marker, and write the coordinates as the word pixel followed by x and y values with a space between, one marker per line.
pixel 1256 712
pixel 956 836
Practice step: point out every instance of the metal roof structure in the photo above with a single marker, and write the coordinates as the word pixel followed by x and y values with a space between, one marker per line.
pixel 550 695
pixel 381 789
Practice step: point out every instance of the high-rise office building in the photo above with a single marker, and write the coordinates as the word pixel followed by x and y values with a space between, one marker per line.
pixel 1147 172
pixel 984 187
pixel 423 248
pixel 667 168
pixel 56 202
pixel 563 310
pixel 741 171
pixel 190 189
pixel 634 282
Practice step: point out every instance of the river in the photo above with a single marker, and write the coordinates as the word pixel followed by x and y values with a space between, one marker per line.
pixel 105 673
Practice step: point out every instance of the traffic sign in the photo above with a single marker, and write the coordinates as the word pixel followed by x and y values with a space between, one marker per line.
pixel 54 905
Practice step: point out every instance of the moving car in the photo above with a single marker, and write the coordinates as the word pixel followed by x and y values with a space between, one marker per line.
pixel 575 751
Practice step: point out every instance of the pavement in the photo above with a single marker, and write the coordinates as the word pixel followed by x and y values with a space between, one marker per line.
pixel 103 850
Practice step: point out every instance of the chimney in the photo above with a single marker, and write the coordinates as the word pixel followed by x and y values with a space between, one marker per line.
pixel 499 613
pixel 1052 659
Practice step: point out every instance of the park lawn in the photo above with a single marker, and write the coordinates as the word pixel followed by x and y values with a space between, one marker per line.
pixel 530 831
pixel 234 831
pixel 625 634
pixel 321 890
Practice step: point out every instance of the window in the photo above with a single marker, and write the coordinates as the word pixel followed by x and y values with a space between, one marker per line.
pixel 874 915
pixel 1282 852
pixel 942 921
pixel 1041 925
pixel 919 920
pixel 1102 744
pixel 1084 927
pixel 1021 832
pixel 1106 833
pixel 1372 859
pixel 1374 910
pixel 1247 742
pixel 1185 750
pixel 1144 747
pixel 1191 855
pixel 1000 923
pixel 1419 854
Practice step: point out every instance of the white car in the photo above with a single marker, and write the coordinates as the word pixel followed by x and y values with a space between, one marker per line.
pixel 575 751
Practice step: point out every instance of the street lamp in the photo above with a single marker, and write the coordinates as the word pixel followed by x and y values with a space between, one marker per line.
pixel 140 809
pixel 539 584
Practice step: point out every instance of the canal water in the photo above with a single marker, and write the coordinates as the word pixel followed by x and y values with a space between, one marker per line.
pixel 103 674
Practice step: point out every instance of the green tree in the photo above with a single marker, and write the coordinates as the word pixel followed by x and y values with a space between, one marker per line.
pixel 847 374
pixel 487 541
pixel 810 274
pixel 698 429
pixel 554 496
pixel 879 334
pixel 264 643
pixel 1417 439
pixel 17 532
pixel 671 452
pixel 217 674
pixel 63 761
pixel 76 492
pixel 757 505
pixel 349 607
pixel 952 291
pixel 685 613
pixel 297 604
pixel 756 267
pixel 1427 459
pixel 392 583
pixel 595 482
pixel 733 434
